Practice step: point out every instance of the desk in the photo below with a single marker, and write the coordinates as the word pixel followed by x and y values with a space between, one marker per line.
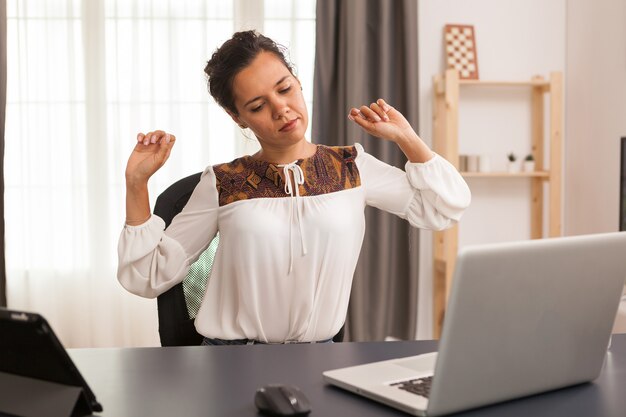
pixel 221 380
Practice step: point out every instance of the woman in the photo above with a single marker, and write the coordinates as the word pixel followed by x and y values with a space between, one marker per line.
pixel 290 217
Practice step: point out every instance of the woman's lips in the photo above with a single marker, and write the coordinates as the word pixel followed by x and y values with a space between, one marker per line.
pixel 289 126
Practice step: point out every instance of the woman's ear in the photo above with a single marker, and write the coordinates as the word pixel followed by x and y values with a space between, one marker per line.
pixel 236 119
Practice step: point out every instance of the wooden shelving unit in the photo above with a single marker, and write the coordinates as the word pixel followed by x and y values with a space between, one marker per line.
pixel 446 89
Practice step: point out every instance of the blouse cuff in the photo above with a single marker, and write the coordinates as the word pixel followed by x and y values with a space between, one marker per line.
pixel 153 221
pixel 418 171
pixel 137 241
pixel 450 193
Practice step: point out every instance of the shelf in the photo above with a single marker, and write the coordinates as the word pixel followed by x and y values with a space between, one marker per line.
pixel 539 83
pixel 531 83
pixel 539 174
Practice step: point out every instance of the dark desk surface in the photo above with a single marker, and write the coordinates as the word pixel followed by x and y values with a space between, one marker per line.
pixel 221 380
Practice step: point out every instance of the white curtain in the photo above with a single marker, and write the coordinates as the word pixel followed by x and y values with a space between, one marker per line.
pixel 83 78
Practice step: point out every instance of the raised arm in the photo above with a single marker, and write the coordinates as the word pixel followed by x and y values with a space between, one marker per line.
pixel 385 122
pixel 430 194
pixel 149 154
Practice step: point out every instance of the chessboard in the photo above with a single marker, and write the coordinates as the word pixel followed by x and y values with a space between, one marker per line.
pixel 460 50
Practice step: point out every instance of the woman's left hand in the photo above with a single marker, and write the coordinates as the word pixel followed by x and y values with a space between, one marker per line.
pixel 382 120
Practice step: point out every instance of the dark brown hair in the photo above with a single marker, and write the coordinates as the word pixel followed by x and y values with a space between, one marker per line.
pixel 233 56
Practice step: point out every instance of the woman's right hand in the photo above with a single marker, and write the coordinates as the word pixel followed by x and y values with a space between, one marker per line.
pixel 150 153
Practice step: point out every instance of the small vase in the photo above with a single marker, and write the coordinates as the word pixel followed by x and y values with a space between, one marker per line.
pixel 529 166
pixel 512 167
pixel 472 163
pixel 484 163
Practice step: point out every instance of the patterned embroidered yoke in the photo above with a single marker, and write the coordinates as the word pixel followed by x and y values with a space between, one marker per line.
pixel 329 170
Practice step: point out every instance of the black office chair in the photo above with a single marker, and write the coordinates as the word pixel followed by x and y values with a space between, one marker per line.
pixel 177 307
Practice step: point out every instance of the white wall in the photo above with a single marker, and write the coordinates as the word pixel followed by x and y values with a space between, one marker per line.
pixel 515 40
pixel 596 118
pixel 596 114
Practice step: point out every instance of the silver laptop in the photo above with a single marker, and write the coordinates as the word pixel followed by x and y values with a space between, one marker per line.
pixel 522 318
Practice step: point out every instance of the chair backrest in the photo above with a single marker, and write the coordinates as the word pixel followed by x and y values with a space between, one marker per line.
pixel 177 307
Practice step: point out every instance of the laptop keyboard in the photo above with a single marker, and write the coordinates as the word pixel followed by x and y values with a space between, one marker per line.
pixel 419 386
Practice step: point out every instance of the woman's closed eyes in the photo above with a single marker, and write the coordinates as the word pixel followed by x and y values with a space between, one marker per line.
pixel 260 106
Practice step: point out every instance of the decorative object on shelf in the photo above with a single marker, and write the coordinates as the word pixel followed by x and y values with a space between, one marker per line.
pixel 529 163
pixel 460 50
pixel 484 163
pixel 472 163
pixel 512 166
pixel 462 163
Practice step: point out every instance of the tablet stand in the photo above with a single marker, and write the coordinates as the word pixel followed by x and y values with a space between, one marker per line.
pixel 28 397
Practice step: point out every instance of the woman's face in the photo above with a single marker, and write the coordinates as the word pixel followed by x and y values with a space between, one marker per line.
pixel 270 102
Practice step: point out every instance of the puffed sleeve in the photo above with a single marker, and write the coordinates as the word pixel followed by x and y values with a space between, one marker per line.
pixel 430 195
pixel 151 260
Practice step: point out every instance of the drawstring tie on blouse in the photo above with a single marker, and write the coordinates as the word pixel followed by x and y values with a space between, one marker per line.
pixel 298 179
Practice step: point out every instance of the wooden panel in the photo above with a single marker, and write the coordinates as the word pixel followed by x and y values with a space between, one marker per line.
pixel 448 239
pixel 439 291
pixel 439 261
pixel 452 117
pixel 439 112
pixel 541 83
pixel 556 149
pixel 537 150
pixel 443 269
pixel 536 208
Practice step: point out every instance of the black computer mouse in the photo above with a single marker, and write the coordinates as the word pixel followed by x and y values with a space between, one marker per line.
pixel 281 400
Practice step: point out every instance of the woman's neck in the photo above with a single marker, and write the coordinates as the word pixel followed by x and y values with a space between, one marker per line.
pixel 286 155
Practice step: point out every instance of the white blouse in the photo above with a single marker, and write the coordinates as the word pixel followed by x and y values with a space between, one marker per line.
pixel 286 257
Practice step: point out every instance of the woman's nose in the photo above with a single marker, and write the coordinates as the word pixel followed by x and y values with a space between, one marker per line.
pixel 282 113
pixel 279 108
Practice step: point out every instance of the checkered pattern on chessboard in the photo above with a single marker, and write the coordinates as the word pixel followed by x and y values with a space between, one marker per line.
pixel 460 50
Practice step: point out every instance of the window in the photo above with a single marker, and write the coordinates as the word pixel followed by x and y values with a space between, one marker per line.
pixel 83 78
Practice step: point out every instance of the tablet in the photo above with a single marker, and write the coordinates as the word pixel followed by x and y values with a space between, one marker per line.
pixel 29 348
